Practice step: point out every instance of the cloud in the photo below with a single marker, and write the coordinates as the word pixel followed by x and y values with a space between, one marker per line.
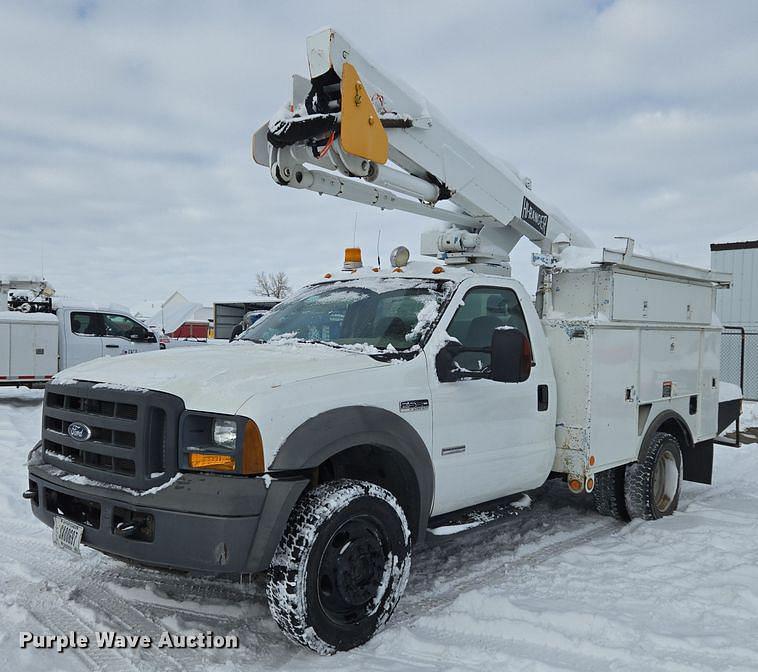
pixel 125 130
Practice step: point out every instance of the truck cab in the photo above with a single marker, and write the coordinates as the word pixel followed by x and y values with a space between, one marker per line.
pixel 87 333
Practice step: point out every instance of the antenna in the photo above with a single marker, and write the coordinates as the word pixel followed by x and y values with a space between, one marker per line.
pixel 378 238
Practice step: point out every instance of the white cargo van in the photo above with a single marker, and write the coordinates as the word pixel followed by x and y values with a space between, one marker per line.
pixel 35 346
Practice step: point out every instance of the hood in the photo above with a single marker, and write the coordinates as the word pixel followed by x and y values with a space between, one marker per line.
pixel 219 378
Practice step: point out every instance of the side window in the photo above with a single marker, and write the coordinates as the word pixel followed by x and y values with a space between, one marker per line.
pixel 125 327
pixel 484 309
pixel 86 324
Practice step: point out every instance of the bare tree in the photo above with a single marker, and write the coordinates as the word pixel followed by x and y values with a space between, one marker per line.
pixel 272 284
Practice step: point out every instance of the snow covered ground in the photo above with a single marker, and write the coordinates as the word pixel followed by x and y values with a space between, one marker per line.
pixel 556 587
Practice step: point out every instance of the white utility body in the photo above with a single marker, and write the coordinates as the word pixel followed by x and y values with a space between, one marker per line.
pixel 34 346
pixel 378 402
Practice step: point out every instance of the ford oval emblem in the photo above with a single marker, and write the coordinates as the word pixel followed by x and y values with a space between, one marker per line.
pixel 79 431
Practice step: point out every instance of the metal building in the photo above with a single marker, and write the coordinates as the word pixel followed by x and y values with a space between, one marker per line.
pixel 227 314
pixel 737 308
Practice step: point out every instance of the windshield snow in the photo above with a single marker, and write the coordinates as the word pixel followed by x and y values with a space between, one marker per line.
pixel 367 315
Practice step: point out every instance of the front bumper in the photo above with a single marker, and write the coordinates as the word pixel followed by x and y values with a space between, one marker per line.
pixel 201 523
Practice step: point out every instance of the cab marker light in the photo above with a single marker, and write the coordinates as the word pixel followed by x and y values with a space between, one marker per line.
pixel 397 270
pixel 438 269
pixel 327 275
pixel 353 259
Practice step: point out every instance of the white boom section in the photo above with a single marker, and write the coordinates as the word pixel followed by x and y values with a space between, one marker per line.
pixel 491 207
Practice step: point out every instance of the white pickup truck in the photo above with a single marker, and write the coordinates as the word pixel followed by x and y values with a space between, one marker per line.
pixel 34 346
pixel 324 443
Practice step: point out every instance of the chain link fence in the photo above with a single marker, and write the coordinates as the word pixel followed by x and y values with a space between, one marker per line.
pixel 739 360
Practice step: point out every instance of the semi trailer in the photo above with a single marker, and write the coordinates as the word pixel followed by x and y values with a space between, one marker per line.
pixel 322 445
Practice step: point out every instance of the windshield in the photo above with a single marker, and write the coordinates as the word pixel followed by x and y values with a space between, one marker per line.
pixel 367 314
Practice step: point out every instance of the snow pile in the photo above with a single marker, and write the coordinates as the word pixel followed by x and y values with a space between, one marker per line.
pixel 78 479
pixel 579 257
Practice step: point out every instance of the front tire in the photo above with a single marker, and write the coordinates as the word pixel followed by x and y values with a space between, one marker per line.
pixel 341 566
pixel 652 484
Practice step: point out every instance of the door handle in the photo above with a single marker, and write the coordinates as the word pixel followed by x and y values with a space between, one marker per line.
pixel 542 397
pixel 111 345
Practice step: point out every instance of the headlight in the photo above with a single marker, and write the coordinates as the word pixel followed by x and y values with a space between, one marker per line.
pixel 230 443
pixel 225 433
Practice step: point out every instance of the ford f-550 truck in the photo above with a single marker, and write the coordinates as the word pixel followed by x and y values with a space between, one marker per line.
pixel 321 444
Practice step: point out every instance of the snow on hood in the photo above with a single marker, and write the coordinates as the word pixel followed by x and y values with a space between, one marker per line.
pixel 220 378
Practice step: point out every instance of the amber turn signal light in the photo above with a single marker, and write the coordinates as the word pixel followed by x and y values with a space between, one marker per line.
pixel 252 450
pixel 212 461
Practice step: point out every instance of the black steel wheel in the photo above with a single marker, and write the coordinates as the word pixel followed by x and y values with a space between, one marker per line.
pixel 341 566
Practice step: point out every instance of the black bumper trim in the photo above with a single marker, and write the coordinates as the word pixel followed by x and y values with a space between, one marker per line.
pixel 189 540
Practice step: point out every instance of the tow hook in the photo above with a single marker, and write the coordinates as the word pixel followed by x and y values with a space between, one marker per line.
pixel 124 529
pixel 29 494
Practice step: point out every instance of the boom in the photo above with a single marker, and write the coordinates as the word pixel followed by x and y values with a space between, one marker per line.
pixel 349 122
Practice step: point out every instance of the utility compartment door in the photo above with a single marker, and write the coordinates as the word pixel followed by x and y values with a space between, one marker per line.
pixel 644 299
pixel 613 418
pixel 45 350
pixel 22 350
pixel 5 350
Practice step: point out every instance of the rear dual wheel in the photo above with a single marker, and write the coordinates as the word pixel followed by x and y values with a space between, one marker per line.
pixel 652 485
pixel 647 489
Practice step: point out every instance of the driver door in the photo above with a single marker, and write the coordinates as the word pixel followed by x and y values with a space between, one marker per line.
pixel 489 438
pixel 124 335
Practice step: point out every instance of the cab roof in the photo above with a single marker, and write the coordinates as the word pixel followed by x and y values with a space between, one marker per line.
pixel 422 270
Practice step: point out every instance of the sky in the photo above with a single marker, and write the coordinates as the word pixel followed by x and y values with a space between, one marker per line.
pixel 125 168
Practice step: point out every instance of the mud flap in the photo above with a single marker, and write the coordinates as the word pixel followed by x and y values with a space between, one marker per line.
pixel 698 463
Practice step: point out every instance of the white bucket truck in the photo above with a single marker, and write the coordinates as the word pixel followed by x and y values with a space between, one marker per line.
pixel 323 444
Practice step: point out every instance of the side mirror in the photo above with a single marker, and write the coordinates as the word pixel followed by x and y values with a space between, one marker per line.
pixel 511 356
pixel 445 362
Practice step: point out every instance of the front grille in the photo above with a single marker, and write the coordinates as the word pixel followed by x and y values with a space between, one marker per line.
pixel 132 437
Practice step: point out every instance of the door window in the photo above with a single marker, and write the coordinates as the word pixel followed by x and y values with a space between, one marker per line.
pixel 86 324
pixel 124 327
pixel 484 310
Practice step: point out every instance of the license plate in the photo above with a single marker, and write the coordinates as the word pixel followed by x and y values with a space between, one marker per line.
pixel 67 535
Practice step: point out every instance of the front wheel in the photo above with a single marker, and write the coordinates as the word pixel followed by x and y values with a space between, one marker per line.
pixel 341 566
pixel 652 484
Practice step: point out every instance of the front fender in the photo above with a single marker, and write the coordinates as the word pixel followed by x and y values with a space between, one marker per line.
pixel 333 431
